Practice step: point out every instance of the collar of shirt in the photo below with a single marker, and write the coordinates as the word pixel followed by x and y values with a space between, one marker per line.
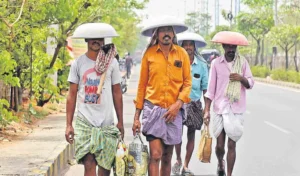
pixel 195 62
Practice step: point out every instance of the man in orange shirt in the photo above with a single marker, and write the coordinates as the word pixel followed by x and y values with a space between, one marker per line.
pixel 164 86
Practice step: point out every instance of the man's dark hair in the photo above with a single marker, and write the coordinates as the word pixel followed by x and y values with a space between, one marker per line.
pixel 118 57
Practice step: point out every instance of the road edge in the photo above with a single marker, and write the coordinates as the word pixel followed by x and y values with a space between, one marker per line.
pixel 278 83
pixel 57 162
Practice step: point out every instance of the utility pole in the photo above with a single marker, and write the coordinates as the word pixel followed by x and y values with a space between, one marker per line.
pixel 184 9
pixel 275 13
pixel 217 12
pixel 237 7
pixel 207 18
pixel 230 18
pixel 274 48
pixel 204 13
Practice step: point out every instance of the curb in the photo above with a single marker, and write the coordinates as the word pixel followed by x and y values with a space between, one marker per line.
pixel 56 163
pixel 278 83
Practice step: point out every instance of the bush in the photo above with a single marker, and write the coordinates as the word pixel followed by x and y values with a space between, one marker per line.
pixel 279 74
pixel 5 116
pixel 276 74
pixel 288 76
pixel 260 71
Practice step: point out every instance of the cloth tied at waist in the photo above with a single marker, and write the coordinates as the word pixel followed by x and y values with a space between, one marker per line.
pixel 155 125
pixel 102 142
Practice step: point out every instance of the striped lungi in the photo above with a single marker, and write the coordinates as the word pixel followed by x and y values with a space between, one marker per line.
pixel 102 142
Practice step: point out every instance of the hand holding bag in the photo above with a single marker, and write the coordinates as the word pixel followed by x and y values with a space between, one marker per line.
pixel 138 157
pixel 204 149
pixel 120 164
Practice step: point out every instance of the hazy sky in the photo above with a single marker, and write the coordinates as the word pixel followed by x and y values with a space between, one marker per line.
pixel 179 8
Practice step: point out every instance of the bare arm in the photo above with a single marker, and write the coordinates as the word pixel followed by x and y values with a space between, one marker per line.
pixel 118 103
pixel 245 82
pixel 237 77
pixel 71 104
pixel 137 114
pixel 206 117
pixel 246 78
pixel 207 105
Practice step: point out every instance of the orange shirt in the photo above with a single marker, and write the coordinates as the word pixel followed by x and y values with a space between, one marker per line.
pixel 164 80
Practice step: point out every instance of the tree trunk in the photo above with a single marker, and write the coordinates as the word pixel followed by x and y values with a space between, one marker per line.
pixel 295 58
pixel 56 52
pixel 262 52
pixel 41 102
pixel 16 101
pixel 20 95
pixel 257 52
pixel 20 90
pixel 11 97
pixel 286 58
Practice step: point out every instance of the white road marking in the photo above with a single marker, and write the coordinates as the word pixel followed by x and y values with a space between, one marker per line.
pixel 277 127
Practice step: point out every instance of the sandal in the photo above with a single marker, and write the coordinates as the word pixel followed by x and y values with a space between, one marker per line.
pixel 176 168
pixel 187 172
pixel 221 172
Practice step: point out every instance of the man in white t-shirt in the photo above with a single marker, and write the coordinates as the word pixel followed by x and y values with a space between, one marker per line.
pixel 96 135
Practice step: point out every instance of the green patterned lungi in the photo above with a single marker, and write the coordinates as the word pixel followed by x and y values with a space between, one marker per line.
pixel 102 142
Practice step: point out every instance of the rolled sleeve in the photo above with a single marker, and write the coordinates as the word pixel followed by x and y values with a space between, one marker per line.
pixel 248 74
pixel 187 80
pixel 74 73
pixel 116 74
pixel 212 82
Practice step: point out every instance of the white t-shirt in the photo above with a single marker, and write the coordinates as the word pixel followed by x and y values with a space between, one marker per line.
pixel 82 72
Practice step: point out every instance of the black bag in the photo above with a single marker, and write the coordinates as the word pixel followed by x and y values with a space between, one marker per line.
pixel 194 116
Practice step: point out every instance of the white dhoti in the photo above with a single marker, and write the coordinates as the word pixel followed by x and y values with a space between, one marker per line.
pixel 232 123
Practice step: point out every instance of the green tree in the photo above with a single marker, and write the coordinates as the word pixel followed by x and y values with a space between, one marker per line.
pixel 256 24
pixel 285 37
pixel 199 22
pixel 289 13
pixel 10 19
pixel 253 4
pixel 27 52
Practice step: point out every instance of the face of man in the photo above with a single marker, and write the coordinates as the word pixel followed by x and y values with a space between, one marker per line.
pixel 189 46
pixel 165 35
pixel 95 44
pixel 230 50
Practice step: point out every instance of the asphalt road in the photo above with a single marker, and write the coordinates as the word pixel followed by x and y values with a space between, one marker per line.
pixel 270 145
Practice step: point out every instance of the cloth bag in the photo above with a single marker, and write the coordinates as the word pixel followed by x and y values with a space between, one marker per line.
pixel 194 116
pixel 120 164
pixel 204 149
pixel 138 157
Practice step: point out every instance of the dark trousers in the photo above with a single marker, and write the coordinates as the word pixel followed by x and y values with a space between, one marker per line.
pixel 128 70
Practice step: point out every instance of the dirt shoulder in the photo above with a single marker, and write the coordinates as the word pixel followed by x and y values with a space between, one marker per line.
pixel 25 125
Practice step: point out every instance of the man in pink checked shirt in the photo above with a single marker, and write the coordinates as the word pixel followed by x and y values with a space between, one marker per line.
pixel 230 76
